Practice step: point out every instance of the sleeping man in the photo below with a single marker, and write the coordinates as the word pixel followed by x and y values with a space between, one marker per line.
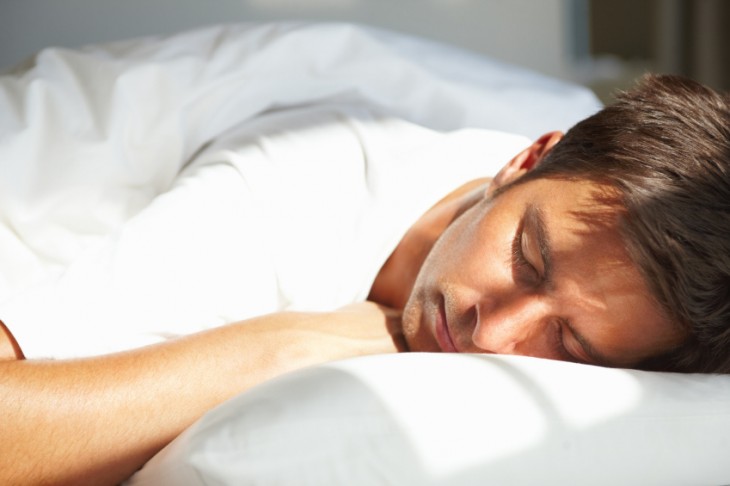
pixel 609 246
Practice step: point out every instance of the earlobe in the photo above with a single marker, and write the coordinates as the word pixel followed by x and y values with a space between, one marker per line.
pixel 526 160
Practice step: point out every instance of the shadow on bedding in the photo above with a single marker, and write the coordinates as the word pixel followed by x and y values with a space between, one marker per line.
pixel 424 419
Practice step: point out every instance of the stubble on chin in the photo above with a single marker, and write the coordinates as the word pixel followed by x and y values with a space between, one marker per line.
pixel 415 331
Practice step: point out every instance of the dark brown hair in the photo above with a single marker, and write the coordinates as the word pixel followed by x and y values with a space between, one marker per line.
pixel 665 146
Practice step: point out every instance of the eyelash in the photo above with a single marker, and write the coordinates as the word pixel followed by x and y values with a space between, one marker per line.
pixel 531 276
pixel 525 269
pixel 560 344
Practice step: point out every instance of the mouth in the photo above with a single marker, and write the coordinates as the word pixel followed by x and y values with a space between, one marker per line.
pixel 443 336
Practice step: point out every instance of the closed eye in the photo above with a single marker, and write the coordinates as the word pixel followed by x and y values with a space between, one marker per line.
pixel 523 270
pixel 559 344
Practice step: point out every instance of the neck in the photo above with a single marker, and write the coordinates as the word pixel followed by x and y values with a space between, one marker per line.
pixel 395 280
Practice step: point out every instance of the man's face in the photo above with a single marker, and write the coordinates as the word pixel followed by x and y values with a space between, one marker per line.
pixel 541 271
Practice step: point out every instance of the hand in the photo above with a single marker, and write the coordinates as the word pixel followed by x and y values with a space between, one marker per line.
pixel 375 319
pixel 354 330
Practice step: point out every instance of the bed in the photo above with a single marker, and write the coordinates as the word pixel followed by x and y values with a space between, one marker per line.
pixel 99 145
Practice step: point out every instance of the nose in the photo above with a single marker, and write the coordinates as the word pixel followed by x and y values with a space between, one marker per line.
pixel 512 325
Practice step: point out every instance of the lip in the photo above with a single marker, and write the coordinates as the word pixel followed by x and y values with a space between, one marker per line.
pixel 443 336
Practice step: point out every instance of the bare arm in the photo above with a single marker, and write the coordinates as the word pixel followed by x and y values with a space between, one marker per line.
pixel 97 420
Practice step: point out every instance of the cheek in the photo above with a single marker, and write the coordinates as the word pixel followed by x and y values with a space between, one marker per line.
pixel 477 251
pixel 457 250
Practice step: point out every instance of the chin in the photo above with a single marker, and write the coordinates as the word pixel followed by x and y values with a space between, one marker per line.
pixel 417 334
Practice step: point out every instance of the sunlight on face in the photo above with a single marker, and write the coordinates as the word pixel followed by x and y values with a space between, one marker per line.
pixel 539 271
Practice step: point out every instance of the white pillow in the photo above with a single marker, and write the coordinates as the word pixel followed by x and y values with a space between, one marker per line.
pixel 447 419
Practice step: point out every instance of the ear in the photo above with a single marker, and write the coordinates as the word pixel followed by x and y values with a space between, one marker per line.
pixel 525 160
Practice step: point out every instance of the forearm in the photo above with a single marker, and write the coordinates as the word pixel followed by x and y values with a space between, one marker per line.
pixel 97 420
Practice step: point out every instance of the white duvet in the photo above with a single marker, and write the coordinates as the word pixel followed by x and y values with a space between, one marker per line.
pixel 102 152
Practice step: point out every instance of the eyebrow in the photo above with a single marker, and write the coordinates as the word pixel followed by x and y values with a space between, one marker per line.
pixel 535 216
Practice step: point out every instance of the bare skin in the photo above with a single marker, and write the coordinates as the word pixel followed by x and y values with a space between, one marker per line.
pixel 9 348
pixel 526 273
pixel 97 420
